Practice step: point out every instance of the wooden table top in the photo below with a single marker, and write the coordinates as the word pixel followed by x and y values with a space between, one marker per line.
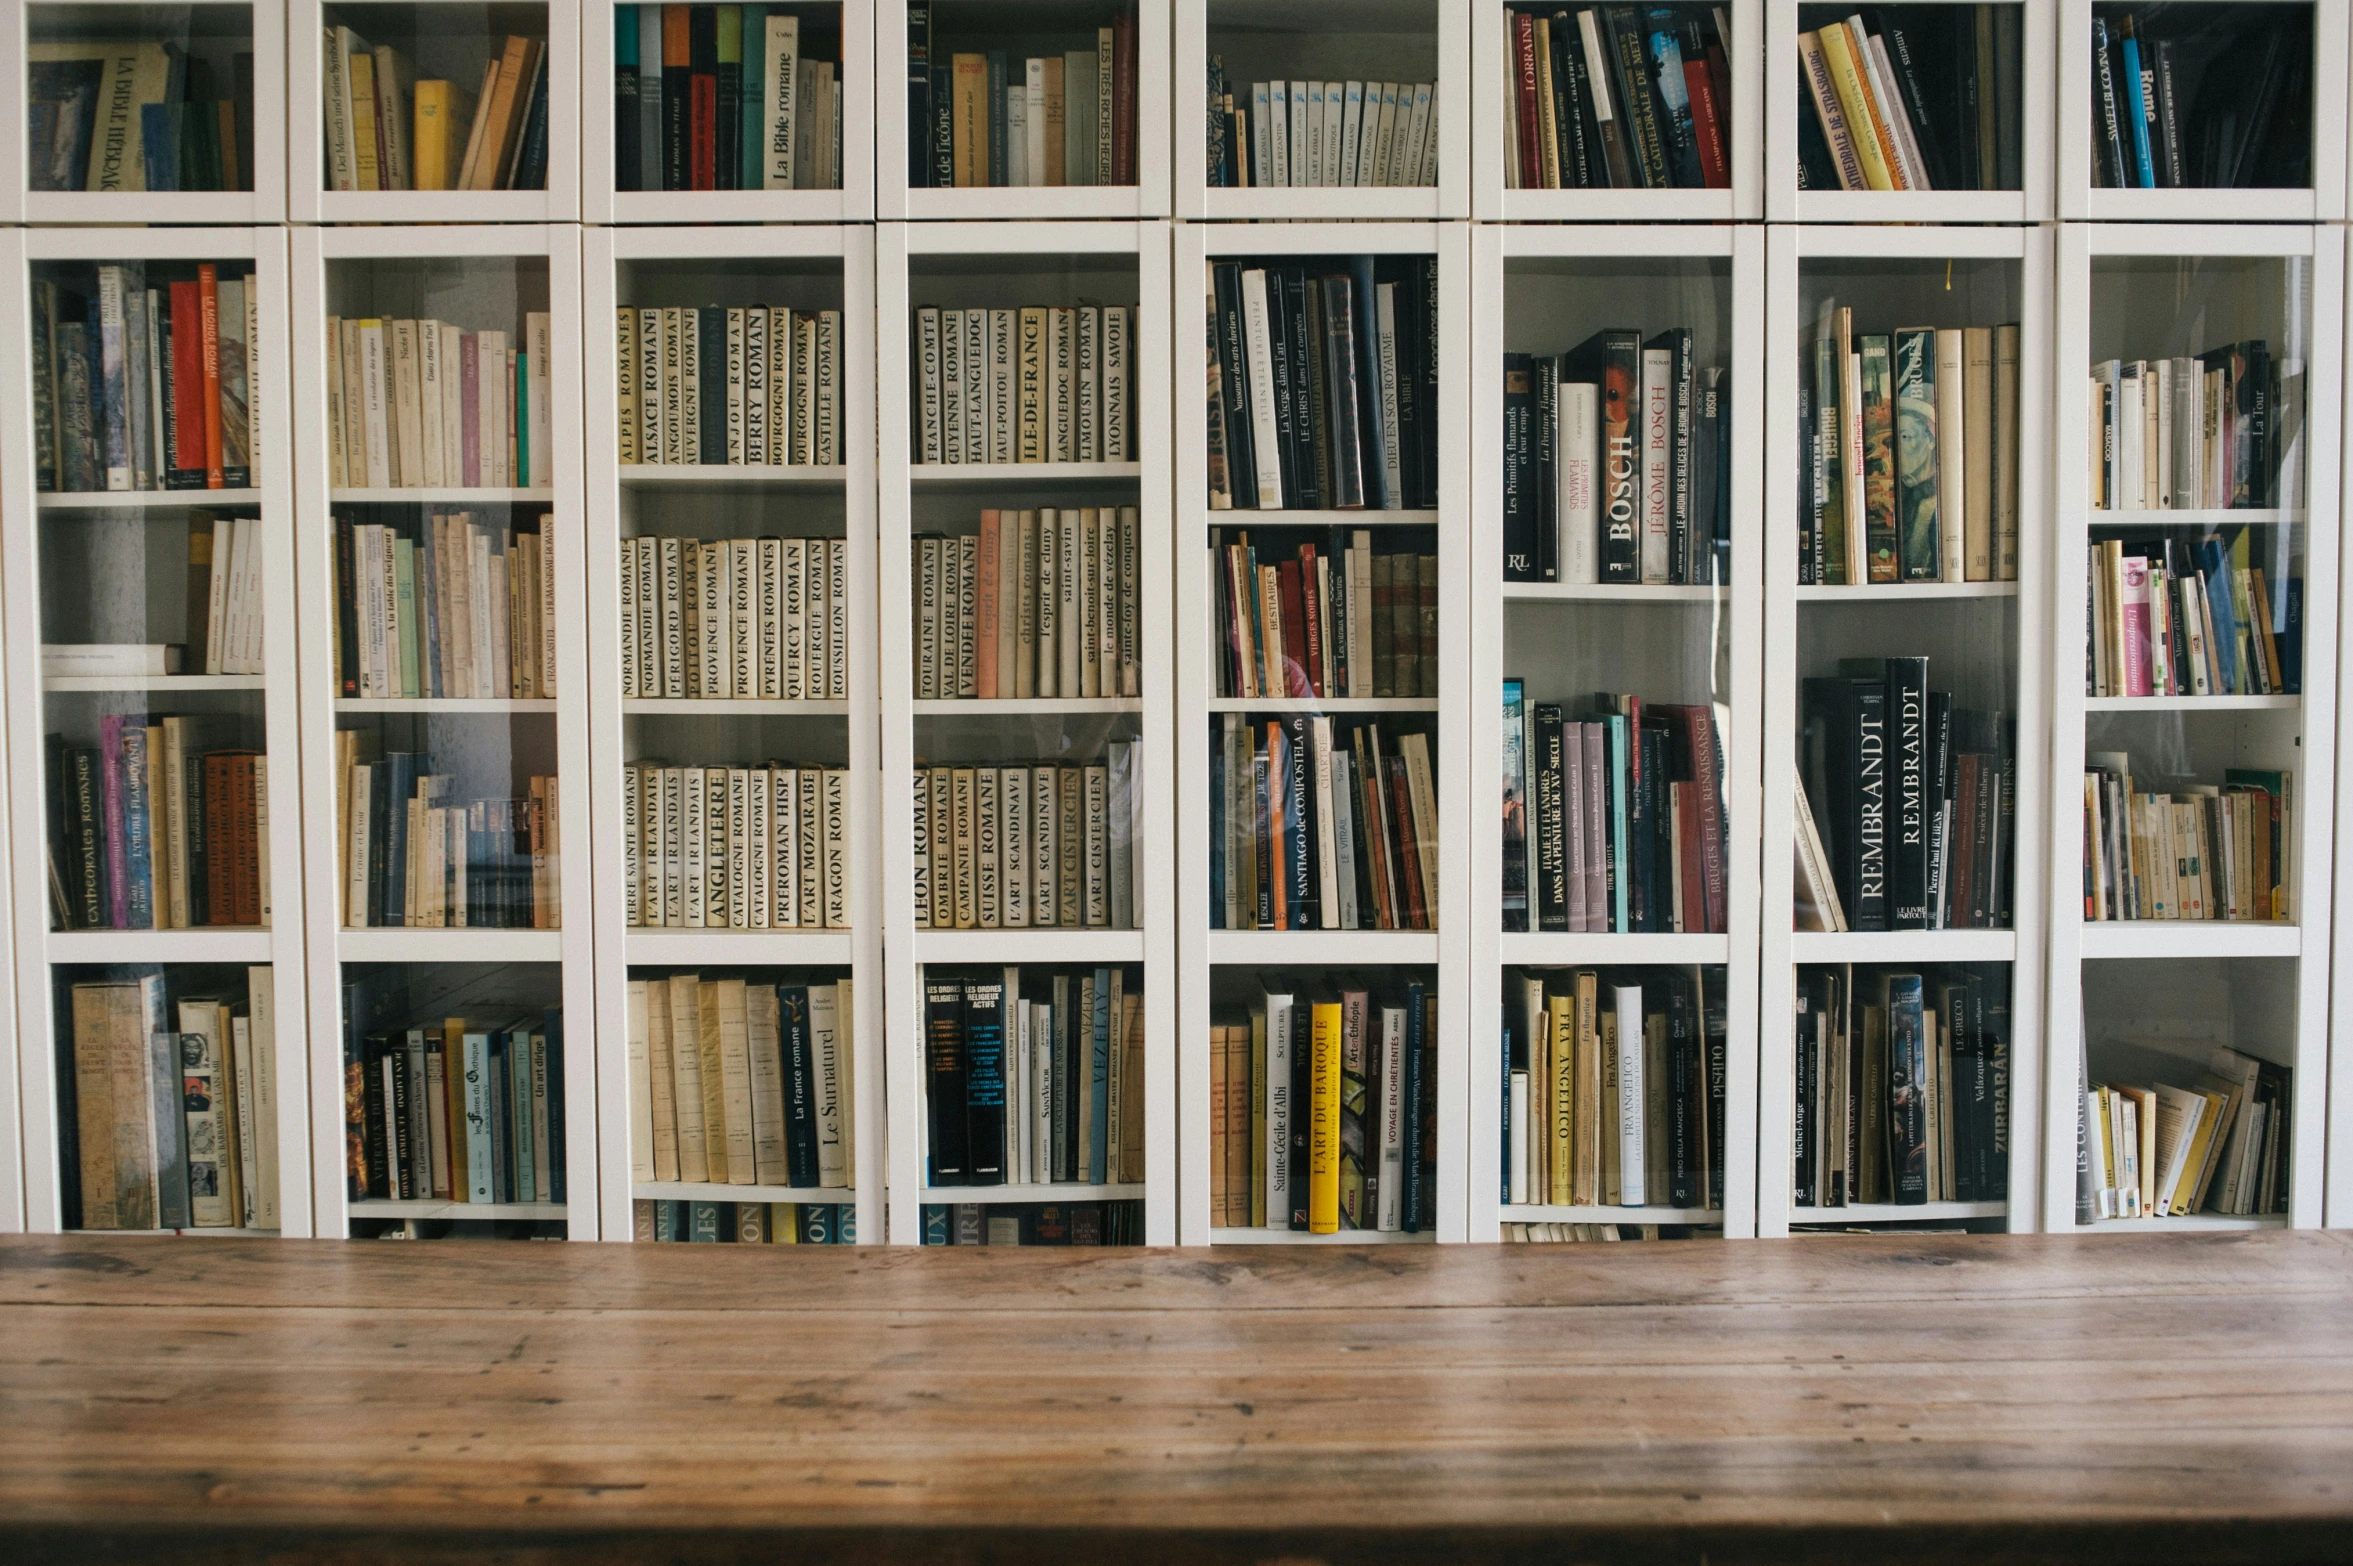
pixel 2144 1397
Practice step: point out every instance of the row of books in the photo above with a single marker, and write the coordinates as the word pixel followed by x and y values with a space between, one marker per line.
pixel 1033 1078
pixel 725 97
pixel 763 847
pixel 418 404
pixel 224 613
pixel 169 1111
pixel 415 854
pixel 1324 387
pixel 1617 97
pixel 1613 1087
pixel 1617 463
pixel 2196 851
pixel 736 386
pixel 993 118
pixel 2167 1133
pixel 735 619
pixel 439 1108
pixel 2221 430
pixel 1613 822
pixel 2190 615
pixel 1039 603
pixel 444 605
pixel 1320 823
pixel 1594 1233
pixel 1323 1106
pixel 387 130
pixel 1033 1223
pixel 1911 97
pixel 2191 96
pixel 1305 626
pixel 1300 133
pixel 164 824
pixel 1031 847
pixel 1907 814
pixel 733 1081
pixel 744 1223
pixel 1903 1085
pixel 1037 383
pixel 145 385
pixel 136 114
pixel 1908 458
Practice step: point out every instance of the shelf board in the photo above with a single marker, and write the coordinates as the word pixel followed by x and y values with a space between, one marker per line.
pixel 1872 592
pixel 1054 706
pixel 1269 517
pixel 153 682
pixel 1337 948
pixel 1904 946
pixel 376 1207
pixel 2180 938
pixel 1323 704
pixel 723 707
pixel 463 945
pixel 239 944
pixel 1892 1212
pixel 1015 947
pixel 692 1191
pixel 1560 948
pixel 2192 703
pixel 732 476
pixel 997 1195
pixel 1322 203
pixel 2240 1221
pixel 1612 593
pixel 1303 1237
pixel 145 499
pixel 949 474
pixel 442 495
pixel 2147 517
pixel 1534 1212
pixel 730 947
pixel 445 704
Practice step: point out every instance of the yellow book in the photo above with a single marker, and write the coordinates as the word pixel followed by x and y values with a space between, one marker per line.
pixel 1861 111
pixel 366 174
pixel 1323 1119
pixel 784 1223
pixel 445 112
pixel 1560 1029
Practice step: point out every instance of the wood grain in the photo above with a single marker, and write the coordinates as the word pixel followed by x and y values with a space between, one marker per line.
pixel 1951 1397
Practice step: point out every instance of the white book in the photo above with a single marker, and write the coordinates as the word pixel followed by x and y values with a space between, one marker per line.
pixel 825 437
pixel 1631 1152
pixel 249 645
pixel 1657 439
pixel 784 827
pixel 1281 1045
pixel 375 414
pixel 1261 135
pixel 1017 132
pixel 430 425
pixel 837 619
pixel 755 386
pixel 1034 123
pixel 930 388
pixel 1389 1211
pixel 1335 128
pixel 776 673
pixel 1118 374
pixel 1577 511
pixel 491 403
pixel 641 1092
pixel 1351 134
pixel 1279 134
pixel 828 1056
pixel 735 387
pixel 1385 135
pixel 811 849
pixel 1258 352
pixel 1299 118
pixel 1061 386
pixel 1392 421
pixel 1087 385
pixel 780 72
pixel 1014 871
pixel 1045 825
pixel 1040 1038
pixel 1519 1138
pixel 1312 132
pixel 1002 403
pixel 948 396
pixel 974 410
pixel 653 390
pixel 760 856
pixel 1409 167
pixel 743 665
pixel 1070 639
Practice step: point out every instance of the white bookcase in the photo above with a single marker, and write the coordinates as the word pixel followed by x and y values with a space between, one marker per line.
pixel 1785 203
pixel 803 267
pixel 1491 142
pixel 1543 290
pixel 1379 40
pixel 1018 27
pixel 602 201
pixel 1001 265
pixel 2150 291
pixel 2338 1210
pixel 454 38
pixel 2079 198
pixel 53 541
pixel 481 278
pixel 213 32
pixel 1988 639
pixel 1203 953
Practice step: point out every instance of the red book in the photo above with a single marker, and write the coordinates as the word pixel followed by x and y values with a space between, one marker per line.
pixel 1294 631
pixel 1311 603
pixel 1961 876
pixel 1720 75
pixel 208 300
pixel 1369 822
pixel 1523 75
pixel 219 905
pixel 985 611
pixel 187 385
pixel 1123 98
pixel 1409 858
pixel 703 132
pixel 1707 125
pixel 244 842
pixel 1693 883
pixel 470 406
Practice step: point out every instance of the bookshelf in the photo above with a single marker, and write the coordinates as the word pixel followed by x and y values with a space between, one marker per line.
pixel 1491 131
pixel 1415 40
pixel 478 279
pixel 1665 643
pixel 2182 987
pixel 1217 967
pixel 806 267
pixel 2029 122
pixel 1001 266
pixel 1987 648
pixel 452 40
pixel 57 548
pixel 603 201
pixel 2319 197
pixel 1045 27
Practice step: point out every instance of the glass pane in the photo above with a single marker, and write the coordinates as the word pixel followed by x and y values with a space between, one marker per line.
pixel 2205 96
pixel 1921 97
pixel 435 97
pixel 1277 116
pixel 126 98
pixel 977 70
pixel 770 118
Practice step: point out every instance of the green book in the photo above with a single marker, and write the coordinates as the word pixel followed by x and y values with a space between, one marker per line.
pixel 1915 455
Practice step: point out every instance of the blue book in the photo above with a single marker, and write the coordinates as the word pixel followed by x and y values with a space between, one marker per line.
pixel 845 1223
pixel 999 170
pixel 1621 777
pixel 2136 107
pixel 159 145
pixel 758 92
pixel 481 1184
pixel 1515 806
pixel 138 826
pixel 666 1220
pixel 935 1223
pixel 800 1084
pixel 523 1128
pixel 706 1223
pixel 628 138
pixel 552 1034
pixel 1217 824
pixel 816 1221
pixel 1503 1016
pixel 1099 1081
pixel 984 1081
pixel 2221 605
pixel 1666 59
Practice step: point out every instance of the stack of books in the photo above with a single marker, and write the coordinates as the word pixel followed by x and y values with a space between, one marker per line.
pixel 2169 1133
pixel 1042 383
pixel 1910 97
pixel 1317 823
pixel 725 97
pixel 439 1108
pixel 168 1117
pixel 1614 822
pixel 763 847
pixel 1908 454
pixel 1323 1107
pixel 1324 394
pixel 1906 804
pixel 2204 97
pixel 1031 846
pixel 413 853
pixel 1035 604
pixel 1617 97
pixel 145 384
pixel 2220 431
pixel 2197 851
pixel 428 405
pixel 1034 1078
pixel 2190 614
pixel 136 114
pixel 1307 624
pixel 744 1223
pixel 735 619
pixel 1617 463
pixel 741 1083
pixel 386 130
pixel 1903 1085
pixel 1301 133
pixel 741 386
pixel 442 605
pixel 989 118
pixel 1613 1087
pixel 164 824
pixel 1033 1223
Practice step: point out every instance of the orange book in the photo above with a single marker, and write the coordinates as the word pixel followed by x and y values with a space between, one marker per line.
pixel 986 608
pixel 500 126
pixel 208 297
pixel 969 100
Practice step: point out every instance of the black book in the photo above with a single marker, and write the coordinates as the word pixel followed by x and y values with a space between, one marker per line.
pixel 1278 339
pixel 1714 1024
pixel 1546 429
pixel 2009 95
pixel 1722 396
pixel 171 1131
pixel 1907 764
pixel 1645 128
pixel 378 1168
pixel 84 859
pixel 1300 342
pixel 1680 410
pixel 984 1081
pixel 1406 304
pixel 1299 860
pixel 1810 499
pixel 1302 1084
pixel 551 1021
pixel 943 127
pixel 1867 834
pixel 1972 1090
pixel 1520 482
pixel 711 333
pixel 626 166
pixel 1412 1193
pixel 1707 475
pixel 1994 1183
pixel 1910 1054
pixel 1425 366
pixel 796 1048
pixel 1319 381
pixel 1342 407
pixel 1816 169
pixel 1266 759
pixel 401 1153
pixel 1805 1106
pixel 1653 905
pixel 1233 382
pixel 1942 836
pixel 346 608
pixel 2108 108
pixel 1612 360
pixel 919 74
pixel 2255 474
pixel 677 114
pixel 943 1046
pixel 1572 108
pixel 1549 820
pixel 1371 439
pixel 1683 1096
pixel 502 1115
pixel 199 856
pixel 727 172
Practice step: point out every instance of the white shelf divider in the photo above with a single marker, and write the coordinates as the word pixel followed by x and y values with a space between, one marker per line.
pixel 2337 1207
